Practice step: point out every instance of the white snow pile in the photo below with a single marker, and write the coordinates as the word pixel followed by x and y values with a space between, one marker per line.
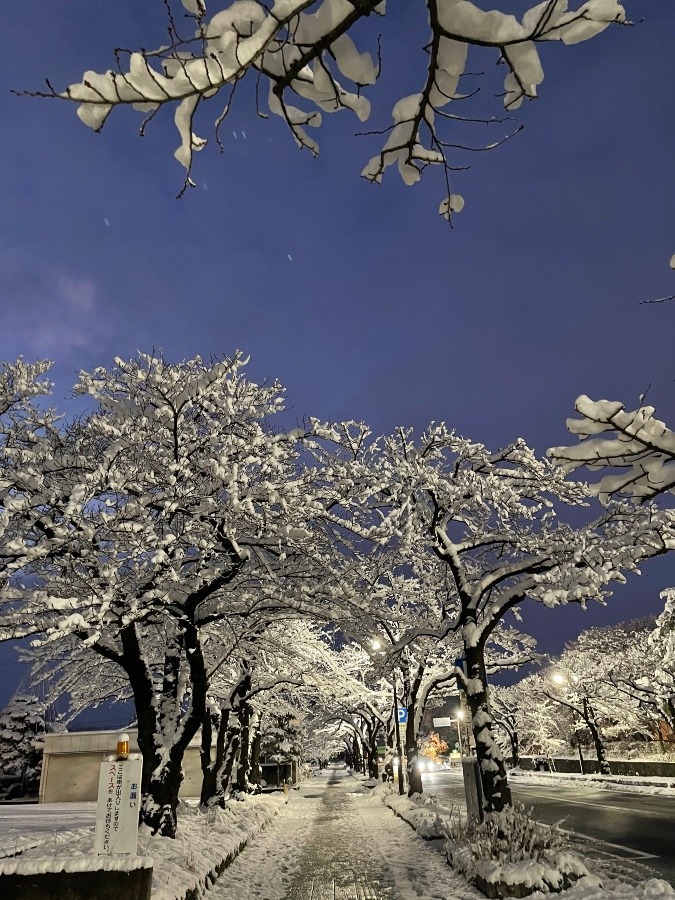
pixel 656 785
pixel 74 863
pixel 205 844
pixel 511 849
pixel 591 888
pixel 422 814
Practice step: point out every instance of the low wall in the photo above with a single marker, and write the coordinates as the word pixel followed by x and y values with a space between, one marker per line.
pixel 640 767
pixel 105 883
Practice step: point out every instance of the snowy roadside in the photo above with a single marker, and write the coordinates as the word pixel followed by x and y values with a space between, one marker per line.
pixel 634 784
pixel 432 820
pixel 184 867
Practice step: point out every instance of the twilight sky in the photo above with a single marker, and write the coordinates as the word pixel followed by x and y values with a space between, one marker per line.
pixel 358 298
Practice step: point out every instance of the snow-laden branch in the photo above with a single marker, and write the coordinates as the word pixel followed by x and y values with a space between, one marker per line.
pixel 636 442
pixel 304 49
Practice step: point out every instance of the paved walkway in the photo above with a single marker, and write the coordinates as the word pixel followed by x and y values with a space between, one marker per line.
pixel 336 841
pixel 337 861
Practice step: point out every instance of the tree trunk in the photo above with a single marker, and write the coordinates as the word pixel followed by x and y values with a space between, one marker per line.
pixel 244 767
pixel 212 768
pixel 255 759
pixel 162 773
pixel 496 792
pixel 581 758
pixel 414 774
pixel 411 690
pixel 600 752
pixel 515 748
pixel 373 731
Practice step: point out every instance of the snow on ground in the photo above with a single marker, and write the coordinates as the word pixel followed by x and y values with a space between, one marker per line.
pixel 24 825
pixel 343 843
pixel 627 784
pixel 320 836
pixel 264 870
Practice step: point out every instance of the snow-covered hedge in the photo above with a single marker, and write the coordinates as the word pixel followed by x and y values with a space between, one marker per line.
pixel 512 855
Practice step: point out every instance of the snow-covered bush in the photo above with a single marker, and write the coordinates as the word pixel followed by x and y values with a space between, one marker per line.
pixel 511 848
pixel 509 836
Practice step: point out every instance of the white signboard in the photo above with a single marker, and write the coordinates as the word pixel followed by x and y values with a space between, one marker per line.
pixel 119 797
pixel 444 722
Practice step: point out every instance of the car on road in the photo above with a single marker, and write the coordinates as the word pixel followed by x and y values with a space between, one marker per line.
pixel 426 764
pixel 19 785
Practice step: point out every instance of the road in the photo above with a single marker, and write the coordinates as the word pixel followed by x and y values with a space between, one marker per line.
pixel 632 826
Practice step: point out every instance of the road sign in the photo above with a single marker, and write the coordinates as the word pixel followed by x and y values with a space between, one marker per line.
pixel 443 722
pixel 119 797
pixel 402 713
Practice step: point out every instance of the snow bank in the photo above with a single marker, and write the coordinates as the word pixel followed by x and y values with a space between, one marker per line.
pixel 556 869
pixel 627 784
pixel 74 863
pixel 423 815
pixel 206 843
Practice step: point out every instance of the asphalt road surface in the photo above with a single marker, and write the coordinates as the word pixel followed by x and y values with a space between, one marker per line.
pixel 639 827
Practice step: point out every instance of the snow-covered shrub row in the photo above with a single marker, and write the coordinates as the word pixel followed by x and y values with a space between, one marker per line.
pixel 184 867
pixel 512 855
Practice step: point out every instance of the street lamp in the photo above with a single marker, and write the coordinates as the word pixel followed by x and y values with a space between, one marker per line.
pixel 457 720
pixel 376 645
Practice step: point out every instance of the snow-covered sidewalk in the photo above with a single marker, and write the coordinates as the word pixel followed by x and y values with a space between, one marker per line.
pixel 337 839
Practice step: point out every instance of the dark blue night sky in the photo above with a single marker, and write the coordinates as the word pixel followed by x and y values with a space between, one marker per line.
pixel 382 312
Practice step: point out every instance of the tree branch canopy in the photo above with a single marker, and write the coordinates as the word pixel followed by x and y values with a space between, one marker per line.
pixel 304 49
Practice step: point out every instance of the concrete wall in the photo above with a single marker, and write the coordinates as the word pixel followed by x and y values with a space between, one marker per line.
pixel 72 762
pixel 618 766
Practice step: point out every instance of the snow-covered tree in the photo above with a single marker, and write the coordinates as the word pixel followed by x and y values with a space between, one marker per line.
pixel 22 728
pixel 639 451
pixel 582 679
pixel 490 519
pixel 25 454
pixel 306 49
pixel 528 717
pixel 645 671
pixel 506 704
pixel 176 507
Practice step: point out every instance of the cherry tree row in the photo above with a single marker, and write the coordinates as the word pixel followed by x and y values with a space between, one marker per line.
pixel 174 547
pixel 612 688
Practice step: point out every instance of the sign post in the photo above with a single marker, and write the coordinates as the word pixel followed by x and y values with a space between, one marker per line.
pixel 397 728
pixel 119 793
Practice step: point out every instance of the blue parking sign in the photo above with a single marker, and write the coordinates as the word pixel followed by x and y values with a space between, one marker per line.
pixel 402 715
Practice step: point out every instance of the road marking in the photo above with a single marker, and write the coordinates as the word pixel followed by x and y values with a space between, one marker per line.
pixel 640 853
pixel 622 809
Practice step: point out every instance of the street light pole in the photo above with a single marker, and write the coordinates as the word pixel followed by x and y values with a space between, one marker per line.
pixel 401 786
pixel 459 739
